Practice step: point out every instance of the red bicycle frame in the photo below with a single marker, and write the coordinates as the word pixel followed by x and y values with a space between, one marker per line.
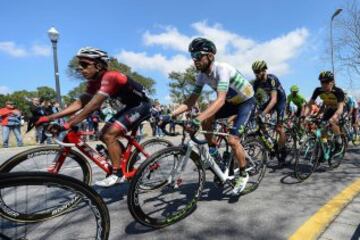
pixel 74 139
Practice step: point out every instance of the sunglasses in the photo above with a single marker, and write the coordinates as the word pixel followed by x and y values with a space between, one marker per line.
pixel 84 65
pixel 258 71
pixel 325 81
pixel 198 55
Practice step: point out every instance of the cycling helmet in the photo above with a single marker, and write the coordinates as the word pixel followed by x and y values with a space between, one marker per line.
pixel 259 66
pixel 202 45
pixel 294 88
pixel 93 53
pixel 326 75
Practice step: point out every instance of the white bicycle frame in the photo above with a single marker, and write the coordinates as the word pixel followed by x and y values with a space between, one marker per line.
pixel 206 161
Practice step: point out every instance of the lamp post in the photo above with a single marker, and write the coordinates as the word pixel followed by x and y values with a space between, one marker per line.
pixel 337 12
pixel 54 36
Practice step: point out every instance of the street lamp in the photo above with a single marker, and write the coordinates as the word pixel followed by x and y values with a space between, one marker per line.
pixel 337 12
pixel 54 36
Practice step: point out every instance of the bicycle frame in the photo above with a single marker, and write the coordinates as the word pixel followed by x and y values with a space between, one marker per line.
pixel 326 149
pixel 207 161
pixel 74 139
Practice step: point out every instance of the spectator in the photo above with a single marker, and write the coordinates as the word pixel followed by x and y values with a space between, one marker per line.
pixel 93 124
pixel 37 110
pixel 11 121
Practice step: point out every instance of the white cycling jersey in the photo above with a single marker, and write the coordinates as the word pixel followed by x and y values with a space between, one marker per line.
pixel 225 78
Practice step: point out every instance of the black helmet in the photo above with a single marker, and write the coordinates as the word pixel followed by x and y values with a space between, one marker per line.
pixel 259 65
pixel 203 45
pixel 326 75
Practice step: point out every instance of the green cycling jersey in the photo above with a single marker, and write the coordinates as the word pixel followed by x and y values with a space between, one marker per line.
pixel 298 100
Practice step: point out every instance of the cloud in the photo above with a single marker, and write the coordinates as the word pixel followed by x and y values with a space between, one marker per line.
pixel 14 50
pixel 233 48
pixel 11 49
pixel 41 50
pixel 5 90
pixel 156 62
pixel 171 38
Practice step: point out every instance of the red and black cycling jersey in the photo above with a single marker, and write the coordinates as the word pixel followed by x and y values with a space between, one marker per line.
pixel 330 99
pixel 118 87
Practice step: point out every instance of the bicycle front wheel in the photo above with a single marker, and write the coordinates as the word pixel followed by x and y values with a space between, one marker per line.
pixel 38 193
pixel 39 160
pixel 306 159
pixel 176 183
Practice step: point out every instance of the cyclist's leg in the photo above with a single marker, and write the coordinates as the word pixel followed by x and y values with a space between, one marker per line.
pixel 121 123
pixel 225 111
pixel 244 111
pixel 207 126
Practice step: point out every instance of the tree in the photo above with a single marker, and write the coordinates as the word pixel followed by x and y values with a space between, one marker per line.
pixel 46 93
pixel 114 64
pixel 347 40
pixel 181 85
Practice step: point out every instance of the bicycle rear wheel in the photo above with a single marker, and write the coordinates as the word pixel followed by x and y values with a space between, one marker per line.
pixel 173 196
pixel 256 159
pixel 306 159
pixel 150 146
pixel 337 158
pixel 37 193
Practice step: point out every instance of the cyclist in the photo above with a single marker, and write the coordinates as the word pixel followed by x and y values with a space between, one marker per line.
pixel 102 84
pixel 234 96
pixel 352 109
pixel 333 103
pixel 296 98
pixel 271 96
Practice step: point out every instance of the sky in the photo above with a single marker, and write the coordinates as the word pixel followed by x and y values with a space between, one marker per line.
pixel 152 38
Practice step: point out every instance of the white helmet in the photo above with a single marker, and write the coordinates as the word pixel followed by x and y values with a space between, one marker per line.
pixel 93 53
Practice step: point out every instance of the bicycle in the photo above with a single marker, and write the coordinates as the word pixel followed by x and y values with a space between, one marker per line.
pixel 181 170
pixel 38 193
pixel 64 159
pixel 318 147
pixel 351 134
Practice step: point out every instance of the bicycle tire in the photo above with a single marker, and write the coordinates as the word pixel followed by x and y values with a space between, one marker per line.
pixel 335 161
pixel 21 159
pixel 138 206
pixel 14 162
pixel 256 163
pixel 136 158
pixel 11 182
pixel 302 157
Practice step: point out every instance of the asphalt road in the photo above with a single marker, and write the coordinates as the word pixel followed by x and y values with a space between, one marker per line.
pixel 274 211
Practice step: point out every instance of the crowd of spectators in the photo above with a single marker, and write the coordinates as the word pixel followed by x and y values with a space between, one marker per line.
pixel 12 120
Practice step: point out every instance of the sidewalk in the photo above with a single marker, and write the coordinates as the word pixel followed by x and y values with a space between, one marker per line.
pixel 346 226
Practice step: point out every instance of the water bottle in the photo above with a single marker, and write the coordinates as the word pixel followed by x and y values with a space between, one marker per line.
pixel 102 150
pixel 214 153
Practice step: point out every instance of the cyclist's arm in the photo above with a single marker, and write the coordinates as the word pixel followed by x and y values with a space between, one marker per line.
pixel 188 103
pixel 94 104
pixel 339 111
pixel 272 102
pixel 214 107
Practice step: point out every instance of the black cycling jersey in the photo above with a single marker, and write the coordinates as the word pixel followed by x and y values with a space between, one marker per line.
pixel 330 99
pixel 263 90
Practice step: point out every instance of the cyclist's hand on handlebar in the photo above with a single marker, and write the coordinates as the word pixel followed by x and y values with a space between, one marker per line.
pixel 193 126
pixel 42 120
pixel 55 129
